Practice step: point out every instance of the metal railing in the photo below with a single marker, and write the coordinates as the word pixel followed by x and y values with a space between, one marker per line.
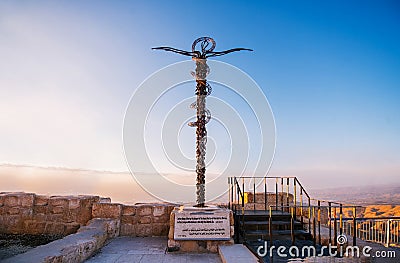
pixel 383 230
pixel 286 194
pixel 285 191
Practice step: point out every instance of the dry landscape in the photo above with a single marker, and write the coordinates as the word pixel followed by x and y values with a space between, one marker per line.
pixel 376 201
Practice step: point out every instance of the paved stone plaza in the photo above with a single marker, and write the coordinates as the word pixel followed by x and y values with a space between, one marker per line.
pixel 147 250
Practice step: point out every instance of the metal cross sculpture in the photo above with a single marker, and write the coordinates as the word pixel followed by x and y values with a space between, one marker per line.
pixel 203 89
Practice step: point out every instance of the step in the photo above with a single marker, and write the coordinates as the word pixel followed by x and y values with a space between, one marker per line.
pixel 236 253
pixel 262 213
pixel 276 225
pixel 277 222
pixel 276 232
pixel 262 218
pixel 280 226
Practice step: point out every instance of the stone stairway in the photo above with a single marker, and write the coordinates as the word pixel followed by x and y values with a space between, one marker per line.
pixel 253 230
pixel 255 225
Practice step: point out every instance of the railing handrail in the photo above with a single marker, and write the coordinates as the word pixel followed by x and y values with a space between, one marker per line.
pixel 301 186
pixel 241 193
pixel 325 206
pixel 343 218
pixel 262 177
pixel 369 218
pixel 272 177
pixel 332 202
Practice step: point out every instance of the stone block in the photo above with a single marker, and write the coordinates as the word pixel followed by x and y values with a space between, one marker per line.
pixel 57 209
pixel 42 209
pixel 27 200
pixel 105 200
pixel 192 246
pixel 172 218
pixel 71 228
pixel 271 197
pixel 106 210
pixel 128 230
pixel 84 214
pixel 160 210
pixel 18 199
pixel 2 224
pixel 34 227
pixel 212 246
pixel 54 217
pixel 58 201
pixel 161 219
pixel 145 220
pixel 199 246
pixel 113 228
pixel 12 200
pixel 144 230
pixel 26 212
pixel 129 219
pixel 171 232
pixel 13 210
pixel 128 210
pixel 88 200
pixel 144 210
pixel 174 245
pixel 1 200
pixel 41 200
pixel 70 215
pixel 14 224
pixel 74 203
pixel 170 208
pixel 54 228
pixel 159 229
pixel 39 217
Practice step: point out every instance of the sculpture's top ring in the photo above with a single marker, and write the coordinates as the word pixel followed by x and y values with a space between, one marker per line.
pixel 205 42
pixel 206 50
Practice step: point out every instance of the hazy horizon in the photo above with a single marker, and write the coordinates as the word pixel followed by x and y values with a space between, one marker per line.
pixel 119 186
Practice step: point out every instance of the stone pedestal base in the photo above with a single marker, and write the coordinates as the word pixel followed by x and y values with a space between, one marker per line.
pixel 196 246
pixel 195 229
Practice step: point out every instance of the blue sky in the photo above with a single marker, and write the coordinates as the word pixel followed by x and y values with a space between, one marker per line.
pixel 330 70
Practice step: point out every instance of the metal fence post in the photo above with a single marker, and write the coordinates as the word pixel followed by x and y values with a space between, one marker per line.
pixel 319 222
pixel 388 233
pixel 354 226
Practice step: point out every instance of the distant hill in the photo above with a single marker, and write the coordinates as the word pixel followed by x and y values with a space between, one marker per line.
pixel 374 194
pixel 377 200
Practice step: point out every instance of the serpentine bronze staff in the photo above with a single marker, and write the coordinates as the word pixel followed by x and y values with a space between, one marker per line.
pixel 203 89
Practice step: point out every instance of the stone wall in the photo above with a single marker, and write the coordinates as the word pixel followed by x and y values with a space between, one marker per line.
pixel 137 220
pixel 28 213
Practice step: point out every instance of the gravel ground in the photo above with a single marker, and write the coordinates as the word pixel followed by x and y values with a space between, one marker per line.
pixel 11 245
